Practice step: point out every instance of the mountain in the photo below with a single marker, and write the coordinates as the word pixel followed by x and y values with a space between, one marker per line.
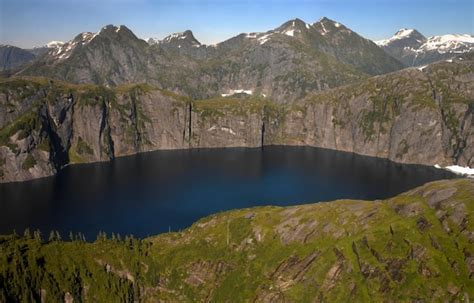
pixel 113 55
pixel 416 246
pixel 402 44
pixel 347 46
pixel 12 57
pixel 423 116
pixel 413 49
pixel 286 63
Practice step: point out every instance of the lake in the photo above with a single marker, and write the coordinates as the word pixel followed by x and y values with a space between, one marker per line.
pixel 150 193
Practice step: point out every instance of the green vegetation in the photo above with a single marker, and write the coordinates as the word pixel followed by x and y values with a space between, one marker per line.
pixel 74 156
pixel 25 124
pixel 413 247
pixel 83 148
pixel 79 152
pixel 29 162
pixel 221 106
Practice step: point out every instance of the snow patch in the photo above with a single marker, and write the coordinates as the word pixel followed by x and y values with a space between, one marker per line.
pixel 237 91
pixel 264 38
pixel 324 29
pixel 54 44
pixel 179 36
pixel 224 129
pixel 337 24
pixel 290 32
pixel 460 170
pixel 421 68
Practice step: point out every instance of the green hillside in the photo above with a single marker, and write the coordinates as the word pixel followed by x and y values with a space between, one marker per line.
pixel 418 246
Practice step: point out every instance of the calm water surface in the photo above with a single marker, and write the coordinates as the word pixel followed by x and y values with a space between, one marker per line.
pixel 149 193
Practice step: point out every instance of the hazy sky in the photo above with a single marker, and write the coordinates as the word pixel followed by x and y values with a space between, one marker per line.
pixel 28 23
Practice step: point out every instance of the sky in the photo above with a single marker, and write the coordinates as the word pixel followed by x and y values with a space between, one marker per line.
pixel 29 23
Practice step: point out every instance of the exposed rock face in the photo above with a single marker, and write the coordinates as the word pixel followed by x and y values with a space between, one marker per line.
pixel 417 246
pixel 411 116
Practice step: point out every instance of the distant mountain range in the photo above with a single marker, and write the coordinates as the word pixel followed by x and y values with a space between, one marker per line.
pixel 414 49
pixel 287 62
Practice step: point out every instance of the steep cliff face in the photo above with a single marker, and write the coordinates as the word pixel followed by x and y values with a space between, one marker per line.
pixel 417 246
pixel 412 116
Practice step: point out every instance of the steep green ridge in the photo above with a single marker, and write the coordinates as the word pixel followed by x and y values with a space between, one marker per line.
pixel 418 246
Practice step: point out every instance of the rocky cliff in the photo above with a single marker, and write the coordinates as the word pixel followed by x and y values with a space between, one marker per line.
pixel 411 116
pixel 416 247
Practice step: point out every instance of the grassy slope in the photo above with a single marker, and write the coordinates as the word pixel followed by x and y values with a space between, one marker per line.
pixel 418 245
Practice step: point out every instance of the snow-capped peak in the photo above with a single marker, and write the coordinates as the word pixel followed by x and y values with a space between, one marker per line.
pixel 403 33
pixel 177 38
pixel 180 36
pixel 54 44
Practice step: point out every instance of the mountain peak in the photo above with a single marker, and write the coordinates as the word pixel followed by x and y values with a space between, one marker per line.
pixel 293 23
pixel 187 34
pixel 293 26
pixel 403 34
pixel 180 39
pixel 325 19
pixel 409 33
pixel 113 29
pixel 64 50
pixel 326 25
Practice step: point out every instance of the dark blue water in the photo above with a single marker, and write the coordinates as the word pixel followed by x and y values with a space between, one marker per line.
pixel 149 193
